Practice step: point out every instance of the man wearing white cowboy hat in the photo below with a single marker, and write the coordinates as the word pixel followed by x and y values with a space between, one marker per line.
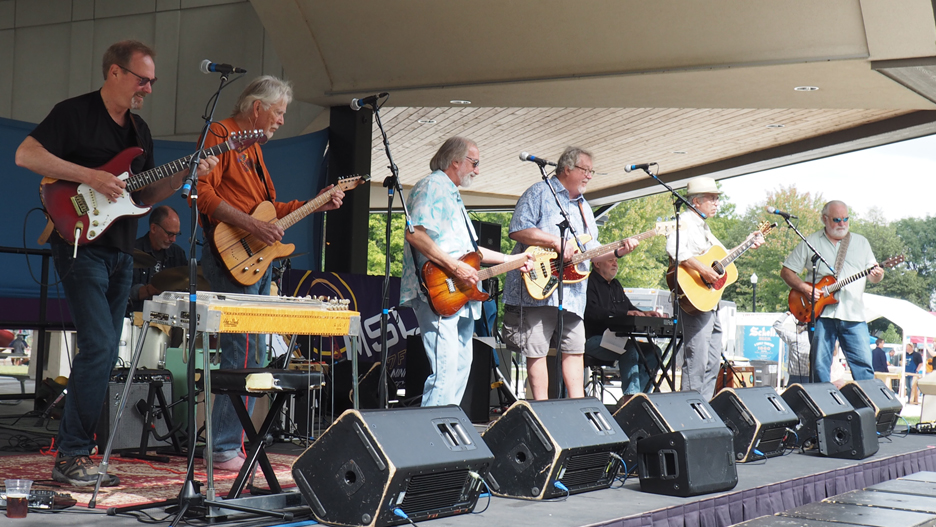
pixel 702 342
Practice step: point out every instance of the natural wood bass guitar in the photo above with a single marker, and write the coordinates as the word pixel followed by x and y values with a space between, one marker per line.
pixel 828 286
pixel 695 294
pixel 82 214
pixel 544 278
pixel 245 257
pixel 447 294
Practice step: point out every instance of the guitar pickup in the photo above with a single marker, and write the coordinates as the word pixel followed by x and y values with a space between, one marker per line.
pixel 450 284
pixel 81 206
pixel 550 284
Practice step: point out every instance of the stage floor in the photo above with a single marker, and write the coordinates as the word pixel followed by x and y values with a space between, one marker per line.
pixel 625 506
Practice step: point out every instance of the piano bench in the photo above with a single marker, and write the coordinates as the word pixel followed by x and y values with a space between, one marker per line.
pixel 595 385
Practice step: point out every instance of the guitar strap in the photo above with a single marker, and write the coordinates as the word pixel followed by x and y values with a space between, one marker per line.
pixel 263 178
pixel 840 257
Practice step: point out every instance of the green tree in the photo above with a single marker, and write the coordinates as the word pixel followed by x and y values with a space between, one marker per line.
pixel 919 238
pixel 646 265
pixel 899 282
pixel 377 232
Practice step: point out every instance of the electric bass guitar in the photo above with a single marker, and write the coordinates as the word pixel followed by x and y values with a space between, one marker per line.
pixel 828 286
pixel 695 294
pixel 82 214
pixel 245 257
pixel 447 294
pixel 544 278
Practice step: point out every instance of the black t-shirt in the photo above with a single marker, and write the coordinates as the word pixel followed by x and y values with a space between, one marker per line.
pixel 604 301
pixel 173 256
pixel 80 130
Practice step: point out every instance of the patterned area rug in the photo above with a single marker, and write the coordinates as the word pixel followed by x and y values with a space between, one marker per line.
pixel 140 481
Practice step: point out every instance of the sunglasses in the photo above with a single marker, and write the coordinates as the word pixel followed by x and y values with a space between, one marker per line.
pixel 143 80
pixel 474 162
pixel 840 220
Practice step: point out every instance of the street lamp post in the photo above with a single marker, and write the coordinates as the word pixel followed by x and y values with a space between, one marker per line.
pixel 753 292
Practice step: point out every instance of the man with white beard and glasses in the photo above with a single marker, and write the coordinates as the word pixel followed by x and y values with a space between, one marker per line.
pixel 850 253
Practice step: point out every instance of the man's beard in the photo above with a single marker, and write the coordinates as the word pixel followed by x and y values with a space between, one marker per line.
pixel 840 230
pixel 465 181
pixel 136 102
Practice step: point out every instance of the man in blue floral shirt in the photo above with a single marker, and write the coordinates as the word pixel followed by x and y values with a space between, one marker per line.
pixel 530 325
pixel 442 235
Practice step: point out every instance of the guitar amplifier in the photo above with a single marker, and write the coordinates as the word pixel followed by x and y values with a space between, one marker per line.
pixel 131 422
pixel 759 420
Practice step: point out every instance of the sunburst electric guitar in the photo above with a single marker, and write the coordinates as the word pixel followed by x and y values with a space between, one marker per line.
pixel 245 257
pixel 82 214
pixel 828 286
pixel 544 278
pixel 695 294
pixel 447 294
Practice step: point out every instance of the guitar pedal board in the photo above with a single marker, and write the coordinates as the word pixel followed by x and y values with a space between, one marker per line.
pixel 45 499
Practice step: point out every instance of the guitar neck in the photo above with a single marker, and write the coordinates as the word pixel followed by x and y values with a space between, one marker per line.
pixel 295 216
pixel 153 175
pixel 845 281
pixel 738 251
pixel 491 272
pixel 613 246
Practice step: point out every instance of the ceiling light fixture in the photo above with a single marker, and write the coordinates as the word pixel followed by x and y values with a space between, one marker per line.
pixel 426 121
pixel 775 125
pixel 806 88
pixel 681 152
pixel 461 102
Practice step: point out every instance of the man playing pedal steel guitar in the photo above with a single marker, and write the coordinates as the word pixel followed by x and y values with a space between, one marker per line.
pixel 443 233
pixel 702 334
pixel 530 325
pixel 79 134
pixel 845 320
pixel 229 194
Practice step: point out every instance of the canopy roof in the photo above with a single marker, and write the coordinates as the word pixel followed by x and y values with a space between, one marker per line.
pixel 912 320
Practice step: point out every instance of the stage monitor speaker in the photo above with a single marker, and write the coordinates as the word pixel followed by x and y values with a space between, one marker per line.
pixel 476 401
pixel 548 449
pixel 687 462
pixel 851 434
pixel 131 422
pixel 369 464
pixel 811 402
pixel 489 234
pixel 874 394
pixel 759 420
pixel 647 415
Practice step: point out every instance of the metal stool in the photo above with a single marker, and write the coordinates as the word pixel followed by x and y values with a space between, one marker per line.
pixel 596 384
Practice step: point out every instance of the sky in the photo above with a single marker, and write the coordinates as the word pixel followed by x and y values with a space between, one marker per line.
pixel 900 179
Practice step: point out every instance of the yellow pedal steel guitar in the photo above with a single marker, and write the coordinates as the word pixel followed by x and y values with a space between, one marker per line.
pixel 245 257
pixel 828 286
pixel 695 294
pixel 544 278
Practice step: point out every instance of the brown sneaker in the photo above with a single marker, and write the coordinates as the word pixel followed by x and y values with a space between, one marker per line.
pixel 80 471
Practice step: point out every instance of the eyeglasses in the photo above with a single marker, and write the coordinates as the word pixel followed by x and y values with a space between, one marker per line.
pixel 474 162
pixel 143 80
pixel 168 232
pixel 840 220
pixel 588 171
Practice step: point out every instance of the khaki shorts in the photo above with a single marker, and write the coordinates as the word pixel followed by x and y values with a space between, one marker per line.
pixel 531 331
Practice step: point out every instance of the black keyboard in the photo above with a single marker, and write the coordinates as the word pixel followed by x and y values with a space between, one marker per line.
pixel 45 499
pixel 642 326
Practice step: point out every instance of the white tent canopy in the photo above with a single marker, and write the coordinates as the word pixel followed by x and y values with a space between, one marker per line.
pixel 913 321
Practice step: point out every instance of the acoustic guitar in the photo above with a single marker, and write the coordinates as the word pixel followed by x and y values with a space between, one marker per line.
pixel 544 278
pixel 828 286
pixel 245 257
pixel 81 214
pixel 695 294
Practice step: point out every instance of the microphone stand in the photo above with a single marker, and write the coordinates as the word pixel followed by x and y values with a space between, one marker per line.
pixel 392 183
pixel 563 225
pixel 678 202
pixel 811 325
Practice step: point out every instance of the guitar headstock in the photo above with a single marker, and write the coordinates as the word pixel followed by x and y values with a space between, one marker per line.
pixel 240 140
pixel 664 228
pixel 351 182
pixel 892 261
pixel 765 227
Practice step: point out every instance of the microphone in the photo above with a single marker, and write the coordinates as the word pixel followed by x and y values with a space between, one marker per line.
pixel 786 215
pixel 538 160
pixel 207 67
pixel 644 166
pixel 357 104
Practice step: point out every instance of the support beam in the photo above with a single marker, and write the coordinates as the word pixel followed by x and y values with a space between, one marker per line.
pixel 349 153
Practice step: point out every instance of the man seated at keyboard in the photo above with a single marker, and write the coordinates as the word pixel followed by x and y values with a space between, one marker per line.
pixel 605 300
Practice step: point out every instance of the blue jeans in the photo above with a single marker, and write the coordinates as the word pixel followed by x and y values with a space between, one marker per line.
pixel 853 337
pixel 238 351
pixel 798 379
pixel 634 378
pixel 448 345
pixel 97 287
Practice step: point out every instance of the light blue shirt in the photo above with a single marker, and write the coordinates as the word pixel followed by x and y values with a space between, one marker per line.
pixel 537 208
pixel 859 257
pixel 435 204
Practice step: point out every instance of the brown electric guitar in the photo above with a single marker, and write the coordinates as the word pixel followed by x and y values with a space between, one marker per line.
pixel 828 286
pixel 245 257
pixel 447 294
pixel 695 294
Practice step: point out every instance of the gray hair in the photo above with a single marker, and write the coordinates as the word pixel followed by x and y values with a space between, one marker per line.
pixel 570 158
pixel 267 89
pixel 121 53
pixel 827 206
pixel 454 148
